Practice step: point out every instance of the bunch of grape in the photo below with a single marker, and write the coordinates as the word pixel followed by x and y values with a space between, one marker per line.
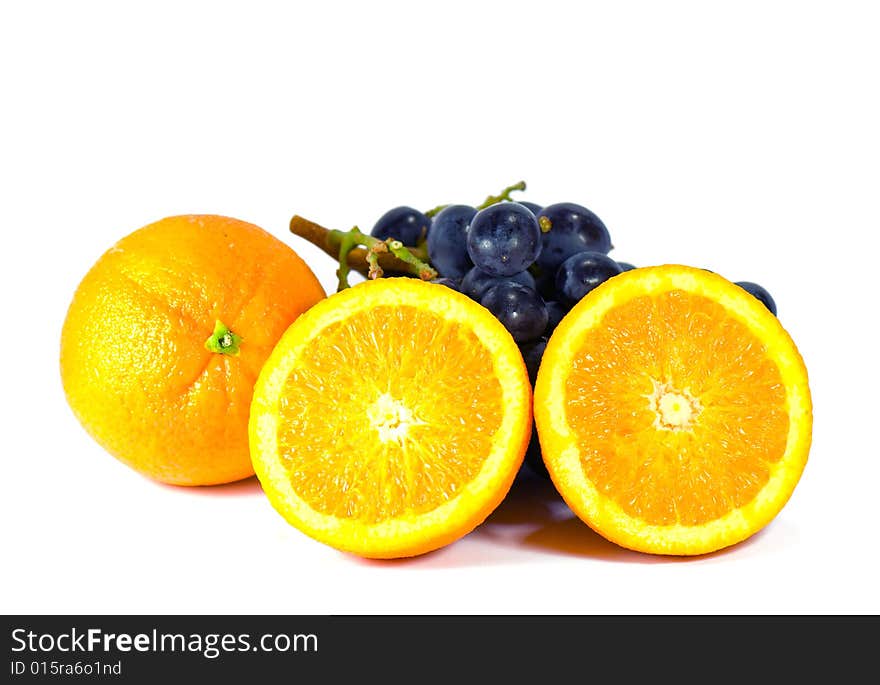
pixel 527 264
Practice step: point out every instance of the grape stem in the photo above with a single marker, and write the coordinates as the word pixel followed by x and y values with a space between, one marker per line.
pixel 372 257
pixel 348 240
pixel 503 196
pixel 363 253
pixel 431 213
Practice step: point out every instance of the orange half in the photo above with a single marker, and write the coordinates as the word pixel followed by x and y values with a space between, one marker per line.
pixel 391 418
pixel 673 411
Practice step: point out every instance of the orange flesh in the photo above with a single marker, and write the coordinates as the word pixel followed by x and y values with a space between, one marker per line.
pixel 678 412
pixel 357 445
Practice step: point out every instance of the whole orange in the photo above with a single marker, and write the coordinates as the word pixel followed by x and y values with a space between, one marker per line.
pixel 166 335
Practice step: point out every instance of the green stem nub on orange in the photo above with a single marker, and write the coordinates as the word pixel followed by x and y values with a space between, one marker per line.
pixel 222 340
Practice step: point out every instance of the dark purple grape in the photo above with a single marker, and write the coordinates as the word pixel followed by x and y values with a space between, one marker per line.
pixel 448 282
pixel 759 292
pixel 534 460
pixel 582 272
pixel 555 313
pixel 625 266
pixel 520 309
pixel 532 353
pixel 405 224
pixel 545 284
pixel 447 240
pixel 566 229
pixel 531 206
pixel 504 239
pixel 476 282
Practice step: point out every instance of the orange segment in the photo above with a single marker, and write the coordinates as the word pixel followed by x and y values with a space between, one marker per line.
pixel 673 411
pixel 424 450
pixel 392 419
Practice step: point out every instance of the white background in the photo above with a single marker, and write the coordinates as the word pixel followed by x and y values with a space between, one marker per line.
pixel 742 139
